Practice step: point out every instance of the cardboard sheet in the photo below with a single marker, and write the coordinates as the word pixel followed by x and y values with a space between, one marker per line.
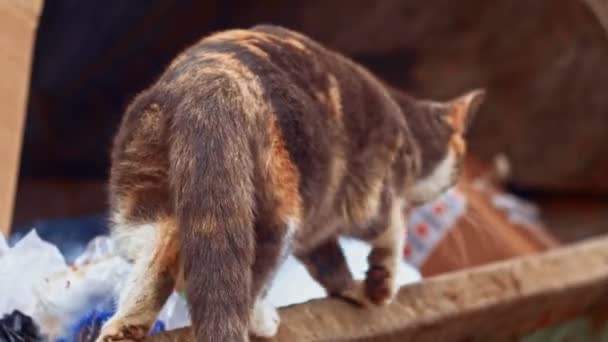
pixel 18 22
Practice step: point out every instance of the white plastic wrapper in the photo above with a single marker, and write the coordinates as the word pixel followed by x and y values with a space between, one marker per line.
pixel 175 313
pixel 28 263
pixel 64 297
pixel 98 249
pixel 3 246
pixel 35 279
pixel 94 280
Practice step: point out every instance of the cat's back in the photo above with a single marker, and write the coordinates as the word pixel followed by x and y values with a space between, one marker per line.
pixel 267 70
pixel 271 55
pixel 321 104
pixel 255 62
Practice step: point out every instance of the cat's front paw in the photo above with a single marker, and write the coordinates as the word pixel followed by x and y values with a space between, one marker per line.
pixel 380 286
pixel 378 289
pixel 264 321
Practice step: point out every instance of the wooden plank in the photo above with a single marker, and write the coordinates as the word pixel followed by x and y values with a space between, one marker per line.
pixel 496 302
pixel 18 22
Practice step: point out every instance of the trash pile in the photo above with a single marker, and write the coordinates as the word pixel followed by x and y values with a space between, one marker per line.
pixel 52 301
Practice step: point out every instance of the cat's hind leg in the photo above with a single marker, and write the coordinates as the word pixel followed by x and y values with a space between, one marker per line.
pixel 274 235
pixel 279 214
pixel 155 250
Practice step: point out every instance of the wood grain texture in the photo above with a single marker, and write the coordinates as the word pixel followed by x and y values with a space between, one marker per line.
pixel 497 302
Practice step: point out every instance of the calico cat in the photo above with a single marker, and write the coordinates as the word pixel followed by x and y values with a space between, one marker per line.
pixel 258 143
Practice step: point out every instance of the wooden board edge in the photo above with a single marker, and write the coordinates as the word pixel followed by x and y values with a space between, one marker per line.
pixel 500 300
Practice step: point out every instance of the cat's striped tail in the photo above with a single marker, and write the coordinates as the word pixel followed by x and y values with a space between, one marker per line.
pixel 211 175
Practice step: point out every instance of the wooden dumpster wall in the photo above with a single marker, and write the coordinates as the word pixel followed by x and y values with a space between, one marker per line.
pixel 18 22
pixel 543 62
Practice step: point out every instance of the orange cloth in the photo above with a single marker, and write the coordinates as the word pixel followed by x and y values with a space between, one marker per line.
pixel 484 232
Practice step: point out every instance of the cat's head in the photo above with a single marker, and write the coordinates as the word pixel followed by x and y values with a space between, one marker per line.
pixel 439 129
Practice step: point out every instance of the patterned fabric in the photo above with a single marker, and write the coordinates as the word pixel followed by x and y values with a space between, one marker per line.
pixel 429 223
pixel 440 234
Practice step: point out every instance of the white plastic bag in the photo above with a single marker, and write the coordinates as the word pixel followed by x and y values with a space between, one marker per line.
pixel 66 296
pixel 35 279
pixel 29 262
pixel 174 314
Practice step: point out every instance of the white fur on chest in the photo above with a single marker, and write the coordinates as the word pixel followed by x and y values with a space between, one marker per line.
pixel 434 184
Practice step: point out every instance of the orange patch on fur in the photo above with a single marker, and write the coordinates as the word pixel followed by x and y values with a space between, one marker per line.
pixel 167 255
pixel 458 145
pixel 255 50
pixel 180 285
pixel 237 35
pixel 335 98
pixel 463 107
pixel 457 116
pixel 296 44
pixel 127 205
pixel 284 176
pixel 169 240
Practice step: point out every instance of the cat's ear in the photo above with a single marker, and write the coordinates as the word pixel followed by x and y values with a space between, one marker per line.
pixel 462 109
